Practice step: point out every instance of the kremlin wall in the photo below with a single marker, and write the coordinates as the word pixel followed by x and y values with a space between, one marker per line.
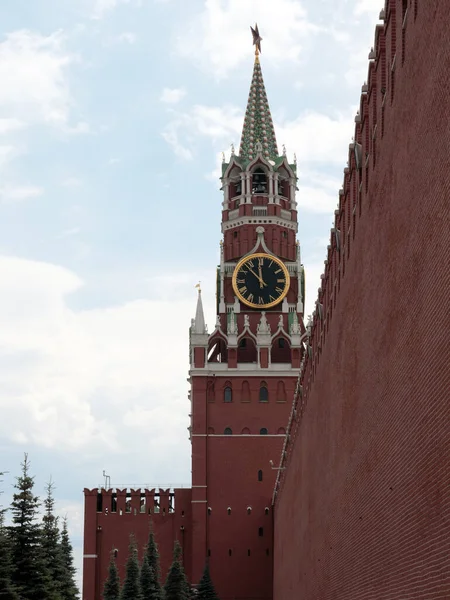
pixel 362 501
pixel 355 407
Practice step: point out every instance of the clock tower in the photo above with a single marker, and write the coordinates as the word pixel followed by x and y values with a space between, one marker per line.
pixel 243 374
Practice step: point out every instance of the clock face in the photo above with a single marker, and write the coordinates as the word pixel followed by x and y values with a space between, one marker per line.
pixel 260 280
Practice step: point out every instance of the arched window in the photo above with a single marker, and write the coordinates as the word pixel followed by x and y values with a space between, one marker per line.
pixel 228 431
pixel 259 181
pixel 228 393
pixel 263 392
pixel 245 431
pixel 280 342
pixel 260 475
pixel 263 431
pixel 281 431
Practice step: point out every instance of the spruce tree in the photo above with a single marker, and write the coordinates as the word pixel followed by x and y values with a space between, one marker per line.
pixel 150 586
pixel 69 589
pixel 51 546
pixel 7 590
pixel 153 554
pixel 205 588
pixel 130 588
pixel 111 590
pixel 152 576
pixel 176 586
pixel 29 574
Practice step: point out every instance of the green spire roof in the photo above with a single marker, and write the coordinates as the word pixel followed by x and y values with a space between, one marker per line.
pixel 258 125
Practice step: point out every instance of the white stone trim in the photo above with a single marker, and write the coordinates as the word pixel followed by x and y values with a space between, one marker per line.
pixel 199 501
pixel 246 370
pixel 270 220
pixel 199 486
pixel 90 556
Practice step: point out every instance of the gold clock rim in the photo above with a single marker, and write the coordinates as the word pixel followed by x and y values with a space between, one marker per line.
pixel 259 255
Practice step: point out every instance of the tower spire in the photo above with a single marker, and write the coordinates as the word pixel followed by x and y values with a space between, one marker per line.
pixel 258 125
pixel 199 323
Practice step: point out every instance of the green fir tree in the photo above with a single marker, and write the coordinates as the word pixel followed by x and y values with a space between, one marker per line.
pixel 153 554
pixel 69 589
pixel 150 586
pixel 205 588
pixel 51 546
pixel 130 588
pixel 7 590
pixel 151 577
pixel 176 586
pixel 111 590
pixel 30 575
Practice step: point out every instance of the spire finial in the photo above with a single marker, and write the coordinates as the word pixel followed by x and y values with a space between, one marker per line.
pixel 257 39
pixel 198 287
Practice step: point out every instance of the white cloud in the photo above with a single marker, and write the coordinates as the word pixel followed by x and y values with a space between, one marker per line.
pixel 372 7
pixel 172 96
pixel 88 380
pixel 33 72
pixel 7 125
pixel 18 193
pixel 218 38
pixel 314 137
pixel 317 192
pixel 171 136
pixel 318 137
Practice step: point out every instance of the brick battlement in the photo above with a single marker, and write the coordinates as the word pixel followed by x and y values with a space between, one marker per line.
pixel 377 111
pixel 136 501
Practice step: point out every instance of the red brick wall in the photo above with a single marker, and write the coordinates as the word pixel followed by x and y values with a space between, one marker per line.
pixel 363 509
pixel 106 530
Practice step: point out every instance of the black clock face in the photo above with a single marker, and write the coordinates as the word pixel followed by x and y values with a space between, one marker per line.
pixel 260 280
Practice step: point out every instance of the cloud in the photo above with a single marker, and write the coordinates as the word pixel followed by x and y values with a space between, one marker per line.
pixel 372 7
pixel 19 193
pixel 88 380
pixel 7 125
pixel 33 72
pixel 316 138
pixel 217 40
pixel 318 193
pixel 172 96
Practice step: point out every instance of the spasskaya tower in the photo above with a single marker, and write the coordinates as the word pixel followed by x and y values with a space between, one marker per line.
pixel 243 374
pixel 242 377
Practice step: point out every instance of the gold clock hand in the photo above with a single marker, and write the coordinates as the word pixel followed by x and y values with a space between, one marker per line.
pixel 257 276
pixel 261 281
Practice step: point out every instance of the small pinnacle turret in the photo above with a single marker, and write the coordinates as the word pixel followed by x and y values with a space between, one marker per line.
pixel 258 126
pixel 199 322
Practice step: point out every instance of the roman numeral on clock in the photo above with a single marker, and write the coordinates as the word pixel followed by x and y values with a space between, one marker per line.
pixel 243 289
pixel 279 290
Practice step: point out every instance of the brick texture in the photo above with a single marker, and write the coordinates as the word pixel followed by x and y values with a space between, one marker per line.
pixel 363 508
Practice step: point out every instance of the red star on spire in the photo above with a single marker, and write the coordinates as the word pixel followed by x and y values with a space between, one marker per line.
pixel 257 39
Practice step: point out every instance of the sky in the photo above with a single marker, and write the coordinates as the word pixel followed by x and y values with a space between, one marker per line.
pixel 113 118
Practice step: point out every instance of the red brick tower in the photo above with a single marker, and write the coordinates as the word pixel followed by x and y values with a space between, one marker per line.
pixel 244 373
